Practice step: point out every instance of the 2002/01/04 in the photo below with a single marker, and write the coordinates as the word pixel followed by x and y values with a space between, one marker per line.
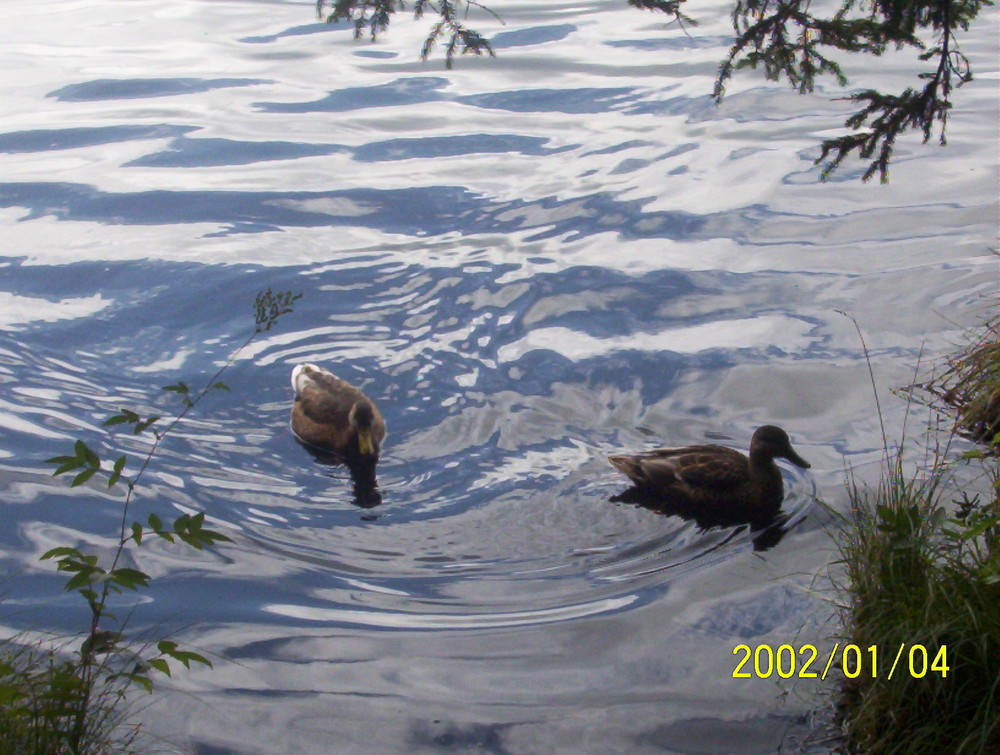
pixel 786 662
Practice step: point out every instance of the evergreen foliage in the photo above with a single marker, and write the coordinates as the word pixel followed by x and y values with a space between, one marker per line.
pixel 372 16
pixel 788 41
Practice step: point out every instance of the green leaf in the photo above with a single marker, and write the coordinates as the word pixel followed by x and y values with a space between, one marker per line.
pixel 68 466
pixel 130 579
pixel 160 665
pixel 61 459
pixel 186 657
pixel 84 578
pixel 143 681
pixel 82 477
pixel 84 452
pixel 179 387
pixel 216 537
pixel 116 472
pixel 66 463
pixel 219 385
pixel 192 540
pixel 125 416
pixel 141 426
pixel 60 552
pixel 155 523
pixel 137 533
pixel 980 527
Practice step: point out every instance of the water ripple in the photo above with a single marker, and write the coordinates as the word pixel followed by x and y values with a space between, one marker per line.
pixel 127 89
pixel 529 263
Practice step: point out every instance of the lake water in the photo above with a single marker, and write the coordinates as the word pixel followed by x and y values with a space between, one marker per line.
pixel 529 263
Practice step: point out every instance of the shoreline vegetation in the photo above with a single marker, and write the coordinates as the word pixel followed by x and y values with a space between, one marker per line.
pixel 58 697
pixel 922 564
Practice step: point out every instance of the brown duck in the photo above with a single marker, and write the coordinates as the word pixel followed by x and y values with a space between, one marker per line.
pixel 332 415
pixel 711 476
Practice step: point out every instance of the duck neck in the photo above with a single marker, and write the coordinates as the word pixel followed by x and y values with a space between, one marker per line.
pixel 767 475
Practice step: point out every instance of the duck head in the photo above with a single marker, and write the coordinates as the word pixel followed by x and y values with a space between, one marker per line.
pixel 361 417
pixel 770 442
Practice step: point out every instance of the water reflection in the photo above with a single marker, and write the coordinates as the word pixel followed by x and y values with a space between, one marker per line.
pixel 127 89
pixel 411 211
pixel 531 275
pixel 364 491
pixel 767 527
pixel 46 140
pixel 411 90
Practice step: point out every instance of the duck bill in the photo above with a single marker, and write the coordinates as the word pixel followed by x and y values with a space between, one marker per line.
pixel 797 460
pixel 365 443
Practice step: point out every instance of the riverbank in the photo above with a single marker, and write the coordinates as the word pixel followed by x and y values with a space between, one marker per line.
pixel 922 603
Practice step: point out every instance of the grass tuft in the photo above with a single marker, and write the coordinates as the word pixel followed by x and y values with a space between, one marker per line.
pixel 923 570
pixel 52 704
pixel 918 578
pixel 969 386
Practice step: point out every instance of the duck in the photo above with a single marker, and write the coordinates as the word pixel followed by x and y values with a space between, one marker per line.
pixel 334 416
pixel 711 477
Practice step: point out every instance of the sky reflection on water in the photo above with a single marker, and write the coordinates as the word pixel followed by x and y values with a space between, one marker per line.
pixel 529 262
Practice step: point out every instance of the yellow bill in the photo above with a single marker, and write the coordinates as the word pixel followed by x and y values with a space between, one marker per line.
pixel 365 444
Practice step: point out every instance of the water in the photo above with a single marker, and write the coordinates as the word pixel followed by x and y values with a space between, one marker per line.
pixel 529 263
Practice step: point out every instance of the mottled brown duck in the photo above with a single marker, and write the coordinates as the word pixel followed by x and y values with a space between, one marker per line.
pixel 332 415
pixel 716 477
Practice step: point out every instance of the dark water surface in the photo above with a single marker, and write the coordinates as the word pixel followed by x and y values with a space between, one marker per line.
pixel 529 263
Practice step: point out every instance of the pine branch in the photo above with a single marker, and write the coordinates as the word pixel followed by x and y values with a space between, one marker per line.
pixel 373 17
pixel 784 39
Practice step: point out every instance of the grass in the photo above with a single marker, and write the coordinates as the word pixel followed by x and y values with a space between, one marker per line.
pixel 923 569
pixel 969 386
pixel 918 577
pixel 52 704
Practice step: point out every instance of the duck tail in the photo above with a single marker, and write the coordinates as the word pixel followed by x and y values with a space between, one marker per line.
pixel 301 376
pixel 628 466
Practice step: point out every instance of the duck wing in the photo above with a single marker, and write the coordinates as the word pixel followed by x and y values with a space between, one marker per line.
pixel 711 467
pixel 325 398
pixel 707 467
